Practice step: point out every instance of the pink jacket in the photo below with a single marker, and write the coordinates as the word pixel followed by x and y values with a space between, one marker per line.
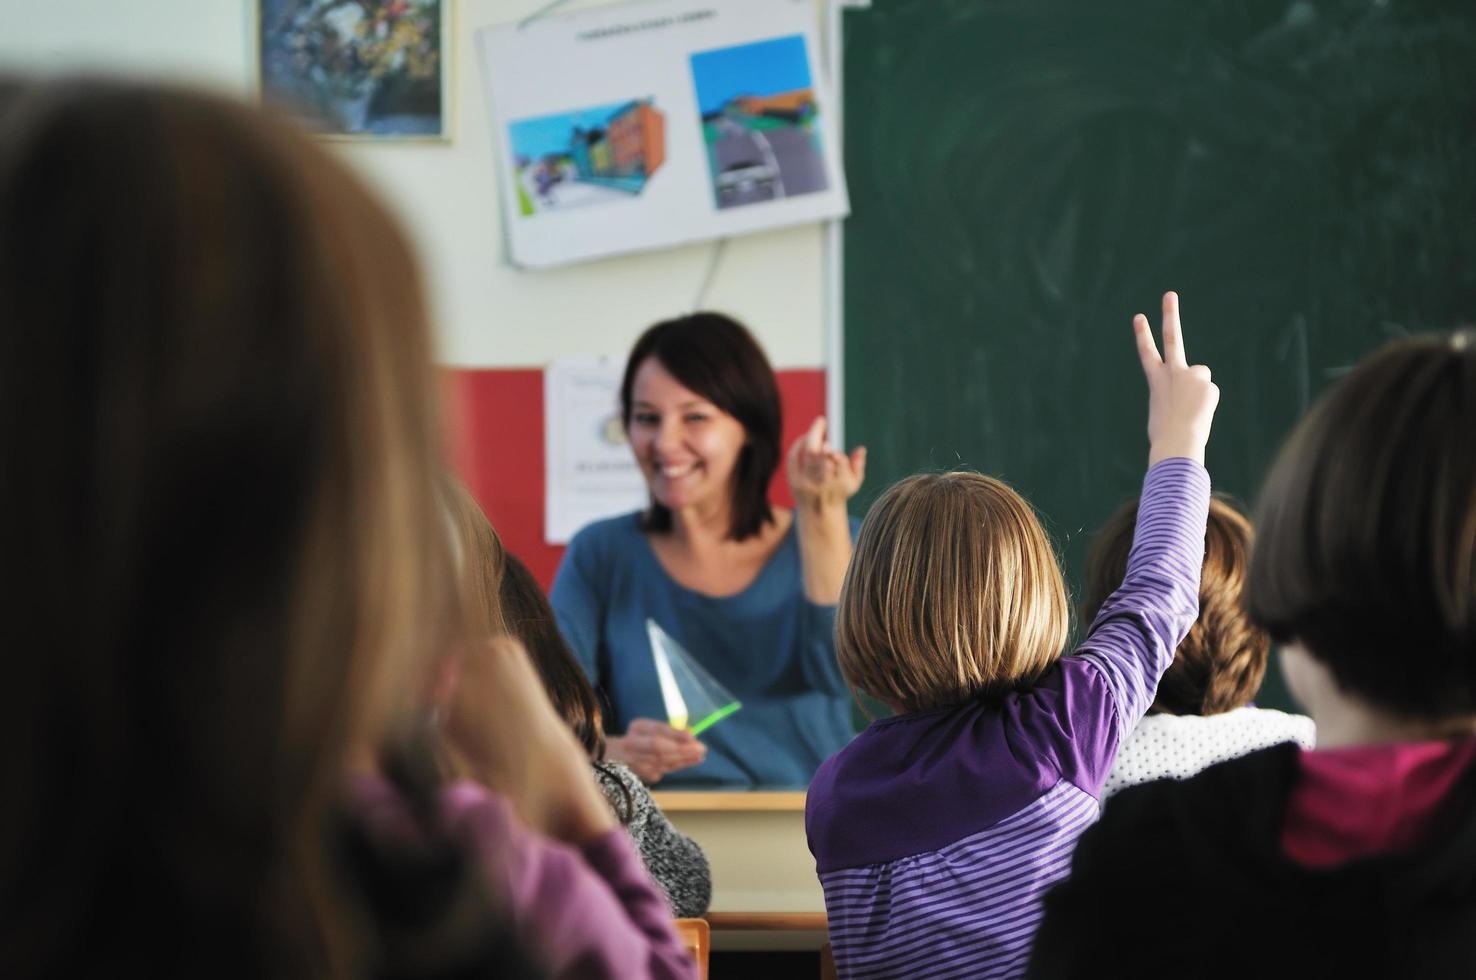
pixel 581 912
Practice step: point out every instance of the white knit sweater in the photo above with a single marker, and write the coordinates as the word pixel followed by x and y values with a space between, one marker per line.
pixel 1178 746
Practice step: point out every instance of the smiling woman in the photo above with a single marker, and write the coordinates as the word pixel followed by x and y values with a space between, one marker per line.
pixel 747 589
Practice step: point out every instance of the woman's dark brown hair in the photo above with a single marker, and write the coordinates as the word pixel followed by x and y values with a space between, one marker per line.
pixel 228 564
pixel 1220 664
pixel 1367 530
pixel 716 357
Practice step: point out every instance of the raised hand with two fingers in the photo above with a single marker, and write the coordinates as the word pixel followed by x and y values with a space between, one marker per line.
pixel 1181 396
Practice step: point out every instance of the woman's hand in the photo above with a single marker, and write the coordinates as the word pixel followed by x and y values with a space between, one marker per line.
pixel 653 748
pixel 504 730
pixel 821 475
pixel 1181 398
pixel 822 479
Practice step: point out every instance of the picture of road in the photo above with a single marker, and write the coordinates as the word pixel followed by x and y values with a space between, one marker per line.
pixel 758 121
pixel 587 156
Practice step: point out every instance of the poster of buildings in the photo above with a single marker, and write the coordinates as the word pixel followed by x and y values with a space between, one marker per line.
pixel 659 122
pixel 573 159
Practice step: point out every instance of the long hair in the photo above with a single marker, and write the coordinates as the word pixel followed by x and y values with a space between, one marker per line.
pixel 1220 664
pixel 503 597
pixel 529 617
pixel 481 561
pixel 229 566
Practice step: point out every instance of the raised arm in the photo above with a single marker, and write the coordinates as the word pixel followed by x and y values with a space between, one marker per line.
pixel 822 479
pixel 1133 638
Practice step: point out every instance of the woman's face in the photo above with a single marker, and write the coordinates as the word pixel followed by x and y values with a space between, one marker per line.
pixel 686 446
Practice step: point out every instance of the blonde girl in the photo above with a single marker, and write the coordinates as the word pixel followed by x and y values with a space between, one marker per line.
pixel 937 831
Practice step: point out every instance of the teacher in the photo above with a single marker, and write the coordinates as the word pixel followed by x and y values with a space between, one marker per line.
pixel 747 589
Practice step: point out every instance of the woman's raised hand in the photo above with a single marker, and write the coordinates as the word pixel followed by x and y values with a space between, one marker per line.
pixel 1181 397
pixel 653 748
pixel 820 474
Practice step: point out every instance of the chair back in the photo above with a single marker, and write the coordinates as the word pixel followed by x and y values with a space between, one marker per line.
pixel 697 937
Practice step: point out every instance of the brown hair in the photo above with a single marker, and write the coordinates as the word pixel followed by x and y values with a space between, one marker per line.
pixel 1367 547
pixel 481 560
pixel 953 593
pixel 717 358
pixel 505 598
pixel 215 382
pixel 1221 662
pixel 530 618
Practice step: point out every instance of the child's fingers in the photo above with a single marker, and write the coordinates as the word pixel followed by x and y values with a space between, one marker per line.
pixel 1173 332
pixel 1147 349
pixel 858 464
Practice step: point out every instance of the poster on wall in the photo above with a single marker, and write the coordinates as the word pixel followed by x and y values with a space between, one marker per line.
pixel 659 122
pixel 360 69
pixel 589 472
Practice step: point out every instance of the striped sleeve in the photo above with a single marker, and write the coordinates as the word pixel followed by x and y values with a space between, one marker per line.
pixel 1132 641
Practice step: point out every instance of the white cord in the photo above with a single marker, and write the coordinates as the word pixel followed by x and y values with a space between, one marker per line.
pixel 700 300
pixel 540 12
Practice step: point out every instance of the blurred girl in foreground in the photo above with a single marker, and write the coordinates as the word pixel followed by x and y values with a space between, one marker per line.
pixel 231 579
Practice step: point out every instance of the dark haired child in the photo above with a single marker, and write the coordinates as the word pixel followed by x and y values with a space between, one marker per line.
pixel 675 861
pixel 1357 858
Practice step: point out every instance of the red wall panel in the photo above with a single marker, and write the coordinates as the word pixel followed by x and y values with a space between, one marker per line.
pixel 497 448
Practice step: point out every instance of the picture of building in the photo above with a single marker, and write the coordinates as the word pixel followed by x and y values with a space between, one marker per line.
pixel 588 156
pixel 637 139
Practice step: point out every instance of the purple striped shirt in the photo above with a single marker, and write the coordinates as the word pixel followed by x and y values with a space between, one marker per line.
pixel 936 834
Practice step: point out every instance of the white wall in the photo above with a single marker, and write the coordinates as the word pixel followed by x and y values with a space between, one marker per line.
pixel 489 314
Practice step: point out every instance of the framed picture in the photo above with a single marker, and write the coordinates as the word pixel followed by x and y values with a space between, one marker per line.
pixel 359 69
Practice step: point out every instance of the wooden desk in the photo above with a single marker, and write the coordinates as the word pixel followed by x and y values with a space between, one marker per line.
pixel 765 895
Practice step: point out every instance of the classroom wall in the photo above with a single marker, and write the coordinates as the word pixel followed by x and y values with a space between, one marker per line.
pixel 490 318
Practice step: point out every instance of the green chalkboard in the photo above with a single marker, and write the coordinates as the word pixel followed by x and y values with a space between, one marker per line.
pixel 1027 174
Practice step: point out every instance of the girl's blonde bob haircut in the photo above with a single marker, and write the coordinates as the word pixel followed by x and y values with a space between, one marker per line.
pixel 953 593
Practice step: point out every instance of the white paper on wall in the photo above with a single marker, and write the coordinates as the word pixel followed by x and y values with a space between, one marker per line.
pixel 589 472
pixel 654 123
